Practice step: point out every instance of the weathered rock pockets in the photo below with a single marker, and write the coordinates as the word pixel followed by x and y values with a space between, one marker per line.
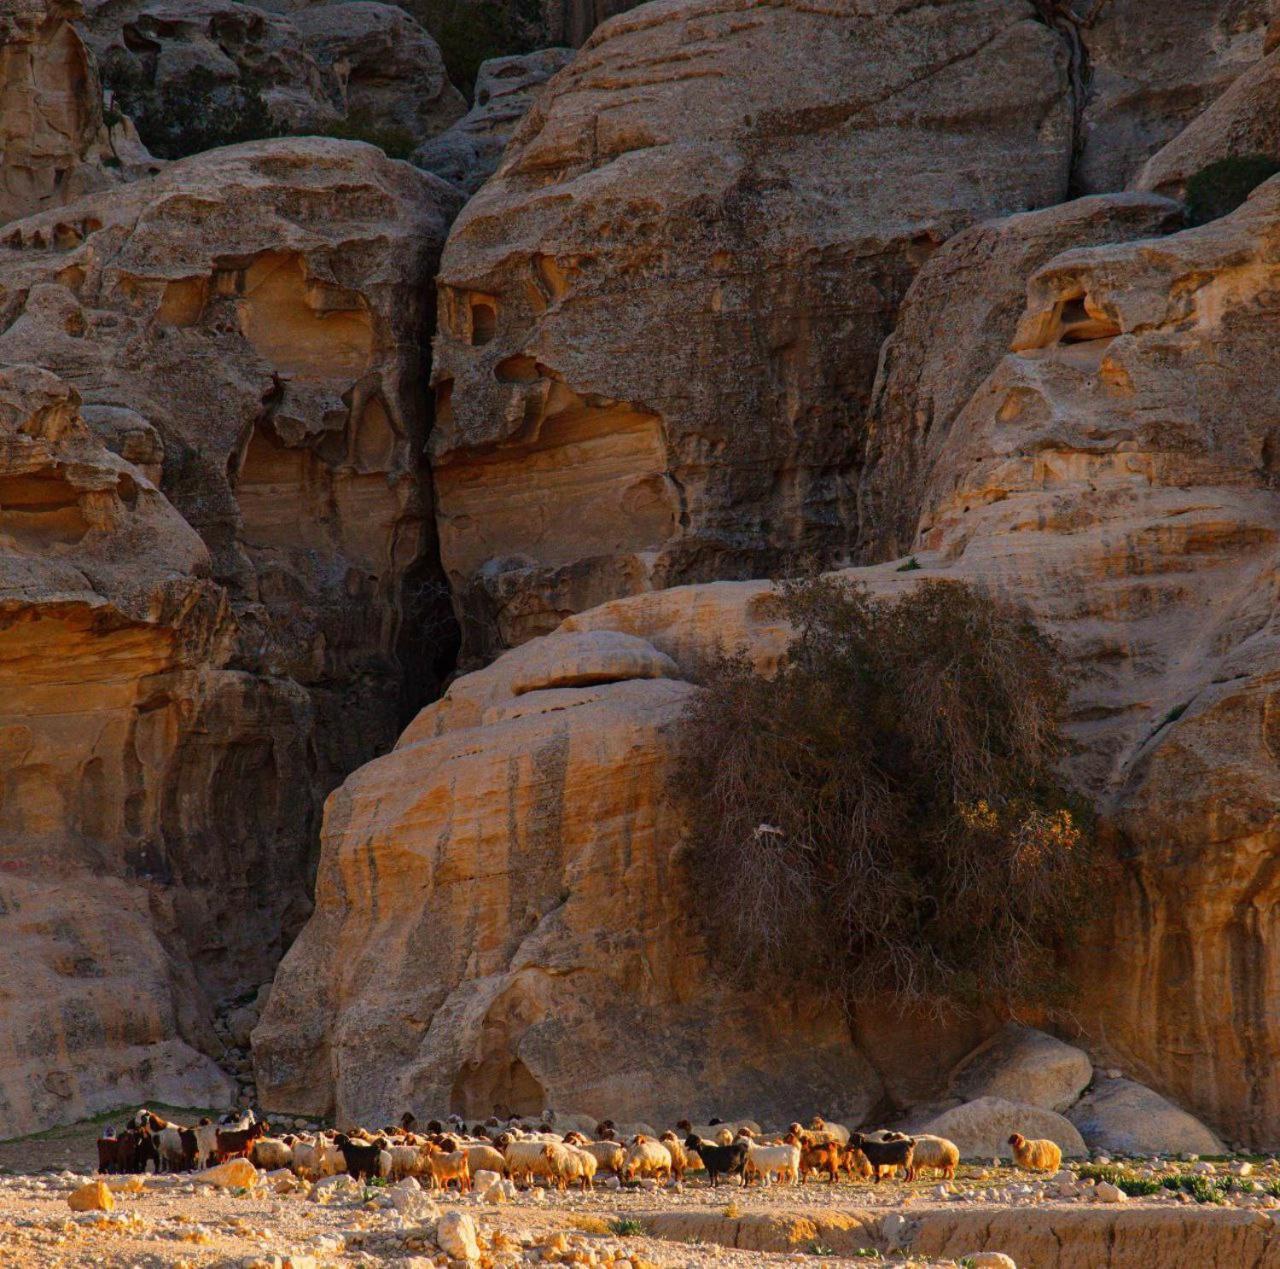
pixel 1114 471
pixel 216 551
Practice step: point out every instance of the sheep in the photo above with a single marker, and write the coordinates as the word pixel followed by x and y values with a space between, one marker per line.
pixel 235 1143
pixel 818 1156
pixel 450 1166
pixel 270 1153
pixel 857 1164
pixel 719 1160
pixel 767 1161
pixel 406 1160
pixel 880 1153
pixel 1037 1155
pixel 581 1167
pixel 170 1153
pixel 609 1155
pixel 522 1158
pixel 837 1132
pixel 936 1153
pixel 317 1157
pixel 682 1160
pixel 646 1157
pixel 485 1158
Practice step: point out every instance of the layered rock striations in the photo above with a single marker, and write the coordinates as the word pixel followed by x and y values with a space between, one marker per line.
pixel 659 320
pixel 107 616
pixel 244 334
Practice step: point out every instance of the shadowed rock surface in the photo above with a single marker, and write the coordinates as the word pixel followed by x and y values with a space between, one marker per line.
pixel 659 320
pixel 245 333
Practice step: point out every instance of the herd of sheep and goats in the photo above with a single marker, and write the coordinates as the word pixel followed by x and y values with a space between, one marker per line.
pixel 532 1152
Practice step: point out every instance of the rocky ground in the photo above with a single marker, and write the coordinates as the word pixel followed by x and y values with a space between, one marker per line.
pixel 278 1221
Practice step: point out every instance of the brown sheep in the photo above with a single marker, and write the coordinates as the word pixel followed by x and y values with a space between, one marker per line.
pixel 1039 1155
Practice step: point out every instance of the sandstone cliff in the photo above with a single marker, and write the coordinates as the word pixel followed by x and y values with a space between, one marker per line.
pixel 659 321
pixel 244 332
pixel 1115 471
pixel 53 143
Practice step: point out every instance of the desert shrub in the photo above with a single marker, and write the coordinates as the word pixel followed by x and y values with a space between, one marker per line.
pixel 884 815
pixel 1217 190
pixel 196 111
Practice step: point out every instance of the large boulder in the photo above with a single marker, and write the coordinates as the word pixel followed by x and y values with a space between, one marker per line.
pixel 196 74
pixel 1124 1117
pixel 981 1128
pixel 660 319
pixel 387 68
pixel 212 586
pixel 1021 1064
pixel 506 87
pixel 501 917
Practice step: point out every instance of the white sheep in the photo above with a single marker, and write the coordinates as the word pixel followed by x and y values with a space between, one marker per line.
pixel 766 1162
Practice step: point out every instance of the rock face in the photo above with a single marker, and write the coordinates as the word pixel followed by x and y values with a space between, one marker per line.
pixel 974 286
pixel 106 612
pixel 505 90
pixel 660 319
pixel 463 958
pixel 217 601
pixel 1152 69
pixel 1117 472
pixel 1245 120
pixel 1021 1064
pixel 361 68
pixel 53 145
pixel 1127 1118
pixel 387 68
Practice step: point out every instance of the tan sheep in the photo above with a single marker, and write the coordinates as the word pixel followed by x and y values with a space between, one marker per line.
pixel 581 1167
pixel 609 1155
pixel 682 1159
pixel 646 1157
pixel 450 1166
pixel 1038 1155
pixel 937 1153
pixel 484 1157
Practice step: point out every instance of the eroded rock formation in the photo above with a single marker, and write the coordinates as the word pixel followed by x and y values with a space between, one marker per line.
pixel 107 615
pixel 660 319
pixel 368 69
pixel 1115 471
pixel 506 87
pixel 245 334
pixel 53 144
pixel 1151 70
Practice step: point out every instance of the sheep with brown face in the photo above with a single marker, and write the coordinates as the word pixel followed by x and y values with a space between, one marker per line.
pixel 1036 1155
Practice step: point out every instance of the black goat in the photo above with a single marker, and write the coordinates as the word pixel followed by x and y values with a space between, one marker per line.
pixel 898 1152
pixel 719 1160
pixel 363 1160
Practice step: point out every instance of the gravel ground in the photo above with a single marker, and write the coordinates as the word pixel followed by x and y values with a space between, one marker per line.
pixel 171 1221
